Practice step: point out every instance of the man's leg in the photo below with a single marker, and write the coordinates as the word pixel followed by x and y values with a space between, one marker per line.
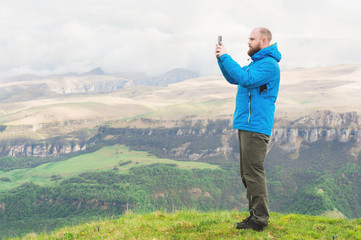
pixel 253 148
pixel 243 142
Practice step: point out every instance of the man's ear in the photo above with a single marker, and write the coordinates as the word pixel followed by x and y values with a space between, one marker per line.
pixel 264 40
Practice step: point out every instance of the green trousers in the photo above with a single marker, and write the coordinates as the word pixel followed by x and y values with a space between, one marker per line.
pixel 253 149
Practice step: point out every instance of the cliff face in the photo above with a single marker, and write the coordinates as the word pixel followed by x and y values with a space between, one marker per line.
pixel 289 136
pixel 319 126
pixel 39 150
pixel 330 119
pixel 95 86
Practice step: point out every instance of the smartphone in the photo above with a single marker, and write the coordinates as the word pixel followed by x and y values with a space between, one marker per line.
pixel 219 40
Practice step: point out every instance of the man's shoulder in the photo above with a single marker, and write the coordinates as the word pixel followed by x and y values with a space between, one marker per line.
pixel 266 62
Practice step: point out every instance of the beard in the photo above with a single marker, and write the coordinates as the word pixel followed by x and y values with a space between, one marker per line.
pixel 254 50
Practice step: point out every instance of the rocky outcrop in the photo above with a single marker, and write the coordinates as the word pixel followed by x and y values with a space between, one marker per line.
pixel 321 125
pixel 100 85
pixel 289 136
pixel 289 139
pixel 39 150
pixel 329 119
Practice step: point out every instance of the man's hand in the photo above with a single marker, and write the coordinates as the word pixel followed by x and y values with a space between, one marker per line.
pixel 220 50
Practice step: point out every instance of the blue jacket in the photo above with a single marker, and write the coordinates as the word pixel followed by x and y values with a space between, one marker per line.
pixel 258 85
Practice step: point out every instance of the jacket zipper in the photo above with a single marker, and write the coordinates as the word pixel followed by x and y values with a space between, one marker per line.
pixel 249 107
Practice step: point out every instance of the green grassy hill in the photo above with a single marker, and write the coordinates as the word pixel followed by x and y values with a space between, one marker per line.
pixel 212 225
pixel 116 157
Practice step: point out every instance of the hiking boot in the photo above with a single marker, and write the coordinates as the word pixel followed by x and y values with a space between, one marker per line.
pixel 248 223
pixel 240 224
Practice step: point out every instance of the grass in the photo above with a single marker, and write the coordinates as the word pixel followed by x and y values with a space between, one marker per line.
pixel 107 158
pixel 190 224
pixel 335 213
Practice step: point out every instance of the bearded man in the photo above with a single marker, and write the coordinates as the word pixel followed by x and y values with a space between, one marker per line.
pixel 257 91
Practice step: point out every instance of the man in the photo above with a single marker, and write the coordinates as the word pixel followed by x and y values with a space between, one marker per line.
pixel 258 85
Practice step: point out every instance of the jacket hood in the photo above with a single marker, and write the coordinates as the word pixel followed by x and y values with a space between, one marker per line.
pixel 270 51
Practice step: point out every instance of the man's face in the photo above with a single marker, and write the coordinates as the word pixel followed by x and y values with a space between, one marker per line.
pixel 254 42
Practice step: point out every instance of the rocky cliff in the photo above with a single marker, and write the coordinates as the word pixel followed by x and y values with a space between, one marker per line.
pixel 289 136
pixel 39 150
pixel 321 125
pixel 97 85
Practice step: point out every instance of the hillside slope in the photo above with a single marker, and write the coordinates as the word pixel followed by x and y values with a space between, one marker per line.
pixel 212 225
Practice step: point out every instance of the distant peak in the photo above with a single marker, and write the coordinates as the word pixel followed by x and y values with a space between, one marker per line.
pixel 174 76
pixel 95 71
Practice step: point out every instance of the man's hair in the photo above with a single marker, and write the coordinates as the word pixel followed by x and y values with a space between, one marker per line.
pixel 266 33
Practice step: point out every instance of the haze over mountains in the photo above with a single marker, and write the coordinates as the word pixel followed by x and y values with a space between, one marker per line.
pixel 94 81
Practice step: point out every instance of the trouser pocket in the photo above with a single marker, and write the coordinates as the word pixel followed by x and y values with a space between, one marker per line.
pixel 257 149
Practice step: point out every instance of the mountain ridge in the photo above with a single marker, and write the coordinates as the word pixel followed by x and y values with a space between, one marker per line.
pixel 96 80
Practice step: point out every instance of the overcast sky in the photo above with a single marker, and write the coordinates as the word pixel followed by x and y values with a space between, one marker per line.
pixel 153 36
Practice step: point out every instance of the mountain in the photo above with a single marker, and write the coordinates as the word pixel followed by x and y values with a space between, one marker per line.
pixel 163 80
pixel 28 87
pixel 95 71
pixel 173 76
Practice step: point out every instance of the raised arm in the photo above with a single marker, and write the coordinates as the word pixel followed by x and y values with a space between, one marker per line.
pixel 253 76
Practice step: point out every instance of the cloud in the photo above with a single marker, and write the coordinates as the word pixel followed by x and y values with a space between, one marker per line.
pixel 45 37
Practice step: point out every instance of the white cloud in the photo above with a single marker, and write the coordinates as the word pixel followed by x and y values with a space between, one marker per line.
pixel 43 37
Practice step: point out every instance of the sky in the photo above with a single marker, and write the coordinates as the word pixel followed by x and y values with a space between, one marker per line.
pixel 45 37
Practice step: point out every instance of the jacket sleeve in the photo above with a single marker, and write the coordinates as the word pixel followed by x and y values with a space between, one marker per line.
pixel 223 70
pixel 251 77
